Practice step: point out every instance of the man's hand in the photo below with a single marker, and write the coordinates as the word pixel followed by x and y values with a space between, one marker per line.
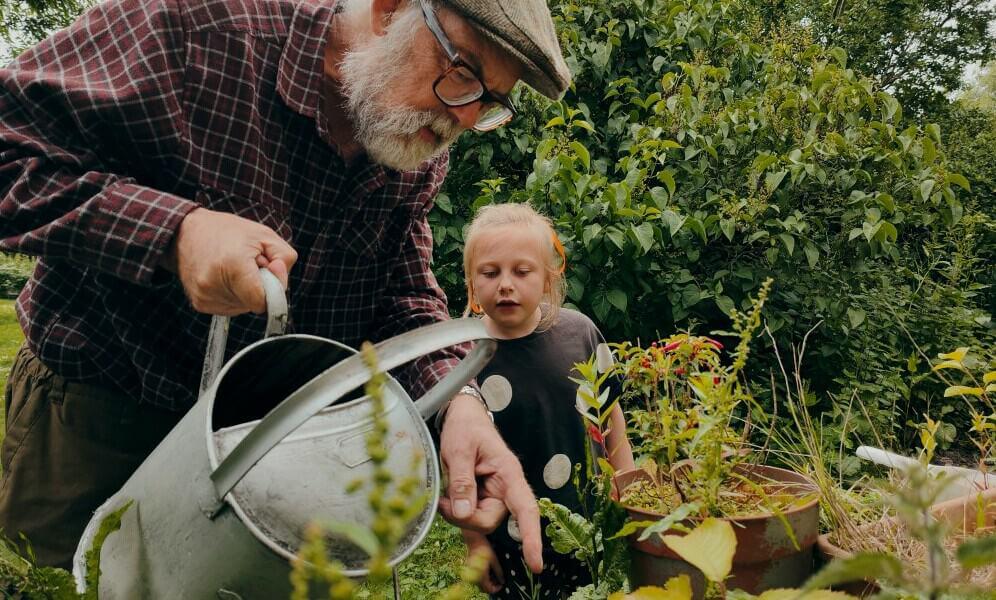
pixel 218 255
pixel 472 449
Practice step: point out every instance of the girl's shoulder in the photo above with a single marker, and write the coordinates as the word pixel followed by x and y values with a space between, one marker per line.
pixel 571 323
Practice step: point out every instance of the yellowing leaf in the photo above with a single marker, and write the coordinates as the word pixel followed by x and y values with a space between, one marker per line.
pixel 677 588
pixel 957 355
pixel 989 377
pixel 790 594
pixel 962 390
pixel 991 387
pixel 948 364
pixel 709 547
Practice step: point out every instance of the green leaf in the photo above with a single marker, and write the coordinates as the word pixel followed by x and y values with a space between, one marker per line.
pixel 581 124
pixel 575 289
pixel 977 552
pixel 856 316
pixel 568 532
pixel 960 180
pixel 861 566
pixel 618 299
pixel 934 131
pixel 582 153
pixel 668 523
pixel 709 547
pixel 554 122
pixel 839 55
pixel 725 304
pixel 696 226
pixel 929 151
pixel 926 186
pixel 667 179
pixel 644 233
pixel 886 201
pixel 771 180
pixel 789 242
pixel 728 227
pixel 674 222
pixel 616 236
pixel 812 254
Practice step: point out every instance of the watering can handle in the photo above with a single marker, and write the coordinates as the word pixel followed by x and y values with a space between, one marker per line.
pixel 349 374
pixel 276 323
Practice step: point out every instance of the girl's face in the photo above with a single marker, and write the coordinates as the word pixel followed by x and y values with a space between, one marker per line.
pixel 509 278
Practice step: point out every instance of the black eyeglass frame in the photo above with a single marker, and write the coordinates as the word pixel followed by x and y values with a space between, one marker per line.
pixel 486 96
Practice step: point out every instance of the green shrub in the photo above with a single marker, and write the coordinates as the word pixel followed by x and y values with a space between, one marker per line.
pixel 695 157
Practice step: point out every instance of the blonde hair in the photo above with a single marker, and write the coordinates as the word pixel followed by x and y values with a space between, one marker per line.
pixel 498 215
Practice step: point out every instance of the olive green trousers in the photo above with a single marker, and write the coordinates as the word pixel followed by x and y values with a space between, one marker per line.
pixel 68 447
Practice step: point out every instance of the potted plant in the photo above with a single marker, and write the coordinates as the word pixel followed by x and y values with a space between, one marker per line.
pixel 691 433
pixel 967 516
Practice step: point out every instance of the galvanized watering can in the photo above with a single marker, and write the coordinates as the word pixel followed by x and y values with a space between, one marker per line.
pixel 219 507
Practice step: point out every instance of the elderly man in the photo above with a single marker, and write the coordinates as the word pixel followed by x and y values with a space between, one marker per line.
pixel 157 152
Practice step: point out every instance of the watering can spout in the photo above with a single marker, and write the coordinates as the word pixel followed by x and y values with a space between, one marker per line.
pixel 964 481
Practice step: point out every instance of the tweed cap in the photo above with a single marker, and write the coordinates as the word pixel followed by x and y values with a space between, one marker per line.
pixel 524 29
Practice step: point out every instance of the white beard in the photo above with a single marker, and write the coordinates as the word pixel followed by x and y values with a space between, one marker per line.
pixel 390 134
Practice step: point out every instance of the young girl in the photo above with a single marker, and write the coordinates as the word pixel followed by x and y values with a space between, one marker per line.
pixel 514 266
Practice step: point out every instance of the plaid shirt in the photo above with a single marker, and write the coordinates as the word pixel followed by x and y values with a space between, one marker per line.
pixel 112 130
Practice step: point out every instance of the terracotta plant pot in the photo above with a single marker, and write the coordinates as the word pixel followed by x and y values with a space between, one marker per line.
pixel 958 513
pixel 766 557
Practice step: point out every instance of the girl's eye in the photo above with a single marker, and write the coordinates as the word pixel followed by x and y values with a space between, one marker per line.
pixel 489 274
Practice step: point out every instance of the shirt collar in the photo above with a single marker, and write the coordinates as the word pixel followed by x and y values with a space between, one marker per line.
pixel 300 73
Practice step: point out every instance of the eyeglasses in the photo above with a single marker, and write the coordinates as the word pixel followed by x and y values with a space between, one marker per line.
pixel 460 85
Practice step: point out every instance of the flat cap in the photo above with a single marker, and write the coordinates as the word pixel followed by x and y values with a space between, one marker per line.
pixel 524 29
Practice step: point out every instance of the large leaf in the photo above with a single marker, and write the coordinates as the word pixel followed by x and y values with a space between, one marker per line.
pixel 569 532
pixel 676 588
pixel 709 547
pixel 861 566
pixel 790 594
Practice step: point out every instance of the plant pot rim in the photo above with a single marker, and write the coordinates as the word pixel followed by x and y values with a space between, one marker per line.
pixel 795 478
pixel 829 549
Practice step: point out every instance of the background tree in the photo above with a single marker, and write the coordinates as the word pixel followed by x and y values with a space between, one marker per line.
pixel 916 49
pixel 25 22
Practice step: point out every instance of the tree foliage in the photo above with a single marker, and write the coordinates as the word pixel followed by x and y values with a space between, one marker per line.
pixel 916 49
pixel 26 22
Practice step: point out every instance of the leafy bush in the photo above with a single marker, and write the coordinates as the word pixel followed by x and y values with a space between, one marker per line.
pixel 695 157
pixel 14 273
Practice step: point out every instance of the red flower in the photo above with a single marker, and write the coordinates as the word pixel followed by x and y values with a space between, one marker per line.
pixel 596 434
pixel 672 346
pixel 715 344
pixel 715 380
pixel 679 371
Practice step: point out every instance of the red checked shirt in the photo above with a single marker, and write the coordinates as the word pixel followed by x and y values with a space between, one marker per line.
pixel 112 130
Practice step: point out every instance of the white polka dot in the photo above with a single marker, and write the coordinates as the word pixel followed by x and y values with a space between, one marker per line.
pixel 507 556
pixel 513 529
pixel 603 357
pixel 512 571
pixel 557 471
pixel 497 392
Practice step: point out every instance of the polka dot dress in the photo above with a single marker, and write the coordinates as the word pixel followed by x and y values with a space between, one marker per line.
pixel 527 386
